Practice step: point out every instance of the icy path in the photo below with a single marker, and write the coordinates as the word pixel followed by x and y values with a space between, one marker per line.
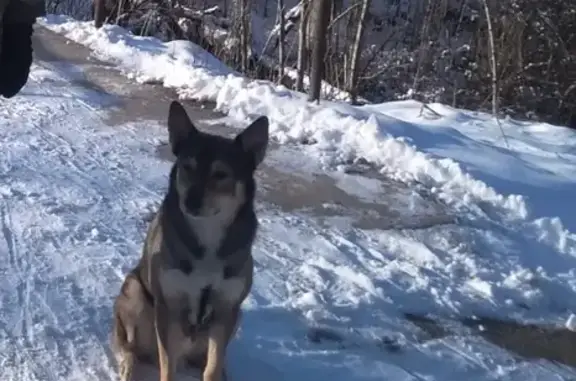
pixel 72 196
pixel 327 297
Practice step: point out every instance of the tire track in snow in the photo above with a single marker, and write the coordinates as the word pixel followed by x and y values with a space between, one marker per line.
pixel 86 165
pixel 74 203
pixel 21 268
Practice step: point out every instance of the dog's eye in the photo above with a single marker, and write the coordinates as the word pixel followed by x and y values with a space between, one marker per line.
pixel 219 175
pixel 189 167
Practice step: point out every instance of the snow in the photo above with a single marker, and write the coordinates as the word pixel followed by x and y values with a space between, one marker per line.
pixel 571 323
pixel 328 297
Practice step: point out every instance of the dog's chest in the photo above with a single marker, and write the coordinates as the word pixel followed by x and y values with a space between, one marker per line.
pixel 207 272
pixel 210 234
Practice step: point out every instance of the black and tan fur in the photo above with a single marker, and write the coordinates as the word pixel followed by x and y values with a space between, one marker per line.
pixel 181 303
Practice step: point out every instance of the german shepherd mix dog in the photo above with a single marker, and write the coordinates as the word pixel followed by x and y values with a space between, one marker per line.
pixel 182 300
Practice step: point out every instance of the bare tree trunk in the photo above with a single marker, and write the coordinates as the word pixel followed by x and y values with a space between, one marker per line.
pixel 424 44
pixel 302 41
pixel 356 49
pixel 333 45
pixel 350 15
pixel 243 40
pixel 245 35
pixel 281 40
pixel 99 13
pixel 121 7
pixel 492 60
pixel 320 20
pixel 236 33
pixel 495 95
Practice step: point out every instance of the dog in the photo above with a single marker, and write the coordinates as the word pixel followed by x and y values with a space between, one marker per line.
pixel 182 301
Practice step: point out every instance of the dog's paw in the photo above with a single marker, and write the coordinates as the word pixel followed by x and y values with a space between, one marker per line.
pixel 198 322
pixel 125 366
pixel 214 376
pixel 197 319
pixel 205 319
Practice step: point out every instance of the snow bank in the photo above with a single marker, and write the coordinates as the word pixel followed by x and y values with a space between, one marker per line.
pixel 328 297
pixel 460 156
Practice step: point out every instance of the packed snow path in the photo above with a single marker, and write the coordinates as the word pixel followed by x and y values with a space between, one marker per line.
pixel 83 163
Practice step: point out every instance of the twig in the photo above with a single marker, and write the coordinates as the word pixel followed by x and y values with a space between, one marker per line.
pixel 425 106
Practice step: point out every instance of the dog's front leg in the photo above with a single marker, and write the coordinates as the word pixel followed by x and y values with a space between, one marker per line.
pixel 165 327
pixel 219 335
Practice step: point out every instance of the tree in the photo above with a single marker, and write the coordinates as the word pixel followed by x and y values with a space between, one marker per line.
pixel 241 32
pixel 492 59
pixel 302 44
pixel 281 57
pixel 320 17
pixel 99 13
pixel 356 49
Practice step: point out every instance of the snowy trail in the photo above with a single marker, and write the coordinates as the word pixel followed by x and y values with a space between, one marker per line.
pixel 329 293
pixel 62 199
pixel 74 200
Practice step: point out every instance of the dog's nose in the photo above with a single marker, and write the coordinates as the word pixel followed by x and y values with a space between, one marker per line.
pixel 194 200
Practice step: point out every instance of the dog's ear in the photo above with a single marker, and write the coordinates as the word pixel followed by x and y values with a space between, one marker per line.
pixel 254 139
pixel 180 127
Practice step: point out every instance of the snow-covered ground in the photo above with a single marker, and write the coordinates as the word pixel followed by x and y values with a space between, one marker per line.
pixel 328 297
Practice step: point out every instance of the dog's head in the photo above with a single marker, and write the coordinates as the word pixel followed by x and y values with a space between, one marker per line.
pixel 214 175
